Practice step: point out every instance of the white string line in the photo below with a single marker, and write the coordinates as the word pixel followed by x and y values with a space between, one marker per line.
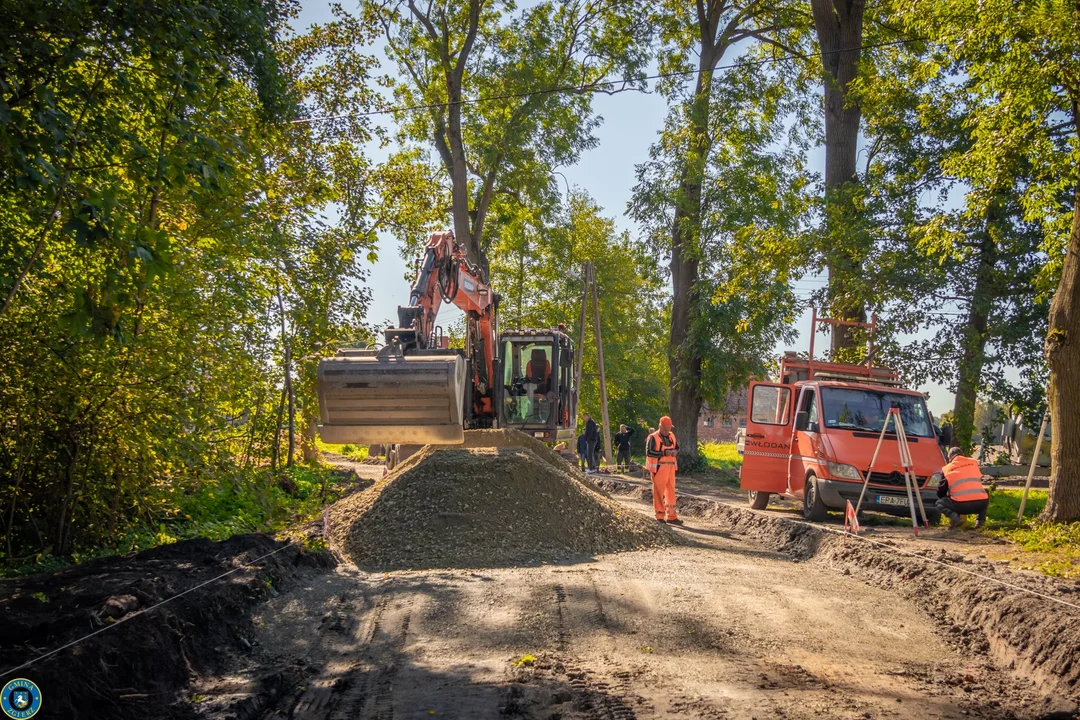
pixel 841 533
pixel 951 567
pixel 144 610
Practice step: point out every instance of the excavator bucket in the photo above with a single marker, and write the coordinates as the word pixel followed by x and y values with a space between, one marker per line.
pixel 381 398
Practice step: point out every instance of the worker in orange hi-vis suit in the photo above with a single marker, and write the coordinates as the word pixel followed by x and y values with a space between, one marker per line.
pixel 661 450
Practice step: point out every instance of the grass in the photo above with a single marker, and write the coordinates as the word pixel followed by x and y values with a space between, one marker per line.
pixel 233 503
pixel 1053 549
pixel 721 456
pixel 352 452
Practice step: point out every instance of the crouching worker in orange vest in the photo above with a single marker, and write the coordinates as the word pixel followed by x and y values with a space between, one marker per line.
pixel 962 493
pixel 661 450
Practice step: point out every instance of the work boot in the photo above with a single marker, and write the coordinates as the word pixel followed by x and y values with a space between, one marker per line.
pixel 980 520
pixel 661 520
pixel 675 521
pixel 955 521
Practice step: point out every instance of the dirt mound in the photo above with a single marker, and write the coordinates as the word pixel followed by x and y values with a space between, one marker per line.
pixel 138 668
pixel 481 507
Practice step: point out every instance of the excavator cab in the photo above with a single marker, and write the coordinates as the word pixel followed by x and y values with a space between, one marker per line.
pixel 538 395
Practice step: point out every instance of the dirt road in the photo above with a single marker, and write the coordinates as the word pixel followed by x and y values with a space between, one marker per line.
pixel 713 629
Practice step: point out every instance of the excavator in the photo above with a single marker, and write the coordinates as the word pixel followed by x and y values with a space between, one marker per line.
pixel 417 391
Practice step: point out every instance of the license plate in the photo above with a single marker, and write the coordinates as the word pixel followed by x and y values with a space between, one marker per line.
pixel 892 500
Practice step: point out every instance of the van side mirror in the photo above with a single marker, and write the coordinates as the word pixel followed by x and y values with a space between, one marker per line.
pixel 802 420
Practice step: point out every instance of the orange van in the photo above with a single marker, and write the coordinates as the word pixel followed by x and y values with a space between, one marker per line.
pixel 812 436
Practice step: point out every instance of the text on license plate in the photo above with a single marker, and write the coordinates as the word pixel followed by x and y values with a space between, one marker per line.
pixel 892 500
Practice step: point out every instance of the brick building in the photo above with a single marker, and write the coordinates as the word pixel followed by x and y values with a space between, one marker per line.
pixel 720 425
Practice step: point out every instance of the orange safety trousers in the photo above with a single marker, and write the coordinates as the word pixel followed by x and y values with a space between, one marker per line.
pixel 663 492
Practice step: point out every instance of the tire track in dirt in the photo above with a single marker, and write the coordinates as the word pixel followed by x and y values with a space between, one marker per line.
pixel 358 683
pixel 561 642
pixel 385 658
pixel 623 678
pixel 601 695
pixel 336 685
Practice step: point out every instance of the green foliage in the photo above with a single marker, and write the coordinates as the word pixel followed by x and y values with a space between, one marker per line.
pixel 496 160
pixel 349 451
pixel 979 259
pixel 529 266
pixel 162 254
pixel 218 509
pixel 745 227
pixel 525 660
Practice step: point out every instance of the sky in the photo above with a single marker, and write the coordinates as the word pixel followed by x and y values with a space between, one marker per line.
pixel 631 123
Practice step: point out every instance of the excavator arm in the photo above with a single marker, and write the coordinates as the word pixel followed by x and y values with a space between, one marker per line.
pixel 413 389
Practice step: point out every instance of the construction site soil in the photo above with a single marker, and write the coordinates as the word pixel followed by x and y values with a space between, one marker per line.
pixel 494 503
pixel 739 614
pixel 140 662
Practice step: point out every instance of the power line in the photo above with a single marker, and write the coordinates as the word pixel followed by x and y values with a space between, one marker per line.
pixel 590 86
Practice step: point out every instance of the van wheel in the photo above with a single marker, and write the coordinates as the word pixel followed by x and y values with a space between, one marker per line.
pixel 813 508
pixel 758 500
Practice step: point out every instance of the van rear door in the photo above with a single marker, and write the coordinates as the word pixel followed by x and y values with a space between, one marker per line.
pixel 767 447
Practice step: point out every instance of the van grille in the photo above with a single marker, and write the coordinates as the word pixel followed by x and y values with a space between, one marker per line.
pixel 895 478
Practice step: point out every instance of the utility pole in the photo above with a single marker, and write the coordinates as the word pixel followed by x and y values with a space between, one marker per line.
pixel 581 327
pixel 600 361
pixel 588 280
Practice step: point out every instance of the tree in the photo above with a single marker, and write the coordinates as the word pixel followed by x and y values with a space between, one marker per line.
pixel 968 268
pixel 155 195
pixel 530 263
pixel 839 25
pixel 1024 68
pixel 504 97
pixel 717 131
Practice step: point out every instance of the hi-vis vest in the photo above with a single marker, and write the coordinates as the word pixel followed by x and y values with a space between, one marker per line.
pixel 965 480
pixel 660 451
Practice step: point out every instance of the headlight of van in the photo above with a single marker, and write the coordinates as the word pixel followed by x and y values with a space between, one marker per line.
pixel 935 480
pixel 847 472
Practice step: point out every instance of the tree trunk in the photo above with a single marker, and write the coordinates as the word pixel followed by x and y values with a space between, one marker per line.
pixel 969 378
pixel 292 407
pixel 684 362
pixel 1062 350
pixel 839 25
pixel 275 449
pixel 287 389
pixel 62 524
pixel 459 173
pixel 251 436
pixel 308 448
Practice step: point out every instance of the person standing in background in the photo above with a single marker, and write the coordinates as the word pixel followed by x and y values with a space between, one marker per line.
pixel 583 452
pixel 622 442
pixel 592 437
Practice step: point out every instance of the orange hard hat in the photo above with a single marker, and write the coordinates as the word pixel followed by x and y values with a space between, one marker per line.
pixel 665 421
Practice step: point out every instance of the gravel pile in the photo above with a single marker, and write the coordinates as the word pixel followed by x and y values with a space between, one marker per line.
pixel 516 438
pixel 482 507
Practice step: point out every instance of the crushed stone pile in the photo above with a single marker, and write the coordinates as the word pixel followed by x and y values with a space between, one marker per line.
pixel 481 507
pixel 516 438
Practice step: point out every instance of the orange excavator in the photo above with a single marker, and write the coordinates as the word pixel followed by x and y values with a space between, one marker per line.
pixel 416 390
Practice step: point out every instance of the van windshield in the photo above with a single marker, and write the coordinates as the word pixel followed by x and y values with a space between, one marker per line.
pixel 852 409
